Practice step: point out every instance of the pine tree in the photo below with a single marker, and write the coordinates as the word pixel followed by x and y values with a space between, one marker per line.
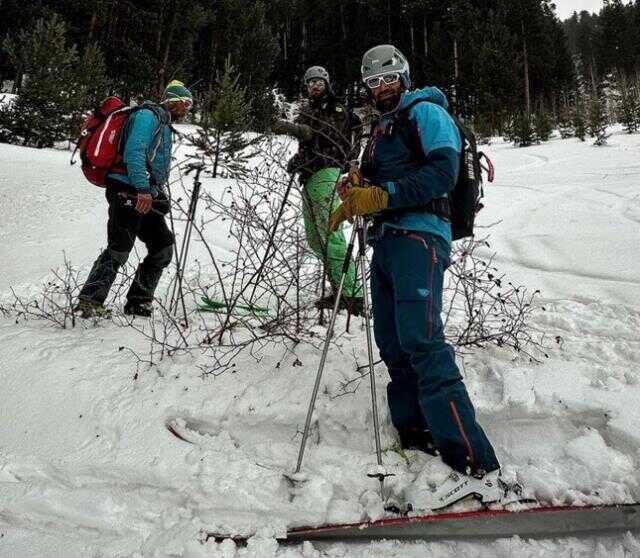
pixel 41 114
pixel 226 120
pixel 627 104
pixel 597 121
pixel 521 130
pixel 578 118
pixel 542 126
pixel 482 130
pixel 566 125
pixel 90 85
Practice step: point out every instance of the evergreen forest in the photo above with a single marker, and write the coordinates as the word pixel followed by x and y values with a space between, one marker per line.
pixel 510 67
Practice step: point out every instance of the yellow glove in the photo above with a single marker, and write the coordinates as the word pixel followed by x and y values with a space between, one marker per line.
pixel 359 201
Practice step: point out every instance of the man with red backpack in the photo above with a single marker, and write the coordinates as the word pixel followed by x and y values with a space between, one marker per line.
pixel 137 204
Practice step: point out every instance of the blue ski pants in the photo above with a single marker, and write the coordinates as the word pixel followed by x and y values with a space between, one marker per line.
pixel 426 390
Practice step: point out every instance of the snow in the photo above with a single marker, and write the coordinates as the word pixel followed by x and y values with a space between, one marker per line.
pixel 88 468
pixel 7 99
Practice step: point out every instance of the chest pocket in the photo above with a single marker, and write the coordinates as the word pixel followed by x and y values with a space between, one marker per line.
pixel 393 151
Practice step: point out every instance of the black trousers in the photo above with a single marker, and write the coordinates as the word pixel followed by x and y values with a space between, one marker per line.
pixel 124 225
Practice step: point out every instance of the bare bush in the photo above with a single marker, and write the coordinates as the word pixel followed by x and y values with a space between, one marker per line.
pixel 484 308
pixel 56 301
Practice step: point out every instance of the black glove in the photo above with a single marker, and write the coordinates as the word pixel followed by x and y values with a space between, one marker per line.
pixel 295 163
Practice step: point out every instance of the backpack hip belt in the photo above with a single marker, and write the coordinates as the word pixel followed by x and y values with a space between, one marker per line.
pixel 440 207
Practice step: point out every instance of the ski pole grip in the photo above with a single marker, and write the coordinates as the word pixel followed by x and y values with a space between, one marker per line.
pixel 355 176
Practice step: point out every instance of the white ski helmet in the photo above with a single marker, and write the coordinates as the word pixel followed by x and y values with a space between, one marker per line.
pixel 316 72
pixel 385 59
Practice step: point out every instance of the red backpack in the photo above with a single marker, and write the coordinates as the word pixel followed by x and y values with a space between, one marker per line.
pixel 99 143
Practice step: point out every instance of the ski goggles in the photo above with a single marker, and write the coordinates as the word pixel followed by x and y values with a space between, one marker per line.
pixel 377 81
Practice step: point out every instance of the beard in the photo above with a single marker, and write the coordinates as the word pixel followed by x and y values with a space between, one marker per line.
pixel 389 102
pixel 316 95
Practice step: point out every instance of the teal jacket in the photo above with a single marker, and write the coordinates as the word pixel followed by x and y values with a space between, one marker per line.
pixel 147 149
pixel 415 160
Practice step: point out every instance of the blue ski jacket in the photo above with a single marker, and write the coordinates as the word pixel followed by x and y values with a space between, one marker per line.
pixel 147 149
pixel 415 159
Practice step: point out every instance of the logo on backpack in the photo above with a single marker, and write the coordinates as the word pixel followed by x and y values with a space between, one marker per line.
pixel 99 143
pixel 465 199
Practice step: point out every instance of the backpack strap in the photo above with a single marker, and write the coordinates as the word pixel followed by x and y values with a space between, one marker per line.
pixel 441 207
pixel 156 138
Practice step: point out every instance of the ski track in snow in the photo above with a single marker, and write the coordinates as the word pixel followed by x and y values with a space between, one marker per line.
pixel 88 467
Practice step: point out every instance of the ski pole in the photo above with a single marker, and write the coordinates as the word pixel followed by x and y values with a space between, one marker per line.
pixel 361 227
pixel 129 199
pixel 186 239
pixel 175 251
pixel 325 350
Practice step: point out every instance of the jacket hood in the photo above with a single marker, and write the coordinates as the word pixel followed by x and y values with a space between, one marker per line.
pixel 431 94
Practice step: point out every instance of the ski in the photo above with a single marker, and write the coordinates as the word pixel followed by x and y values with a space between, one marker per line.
pixel 219 307
pixel 541 522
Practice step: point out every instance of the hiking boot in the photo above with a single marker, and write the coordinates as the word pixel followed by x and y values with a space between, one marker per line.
pixel 353 304
pixel 142 309
pixel 326 302
pixel 418 439
pixel 90 309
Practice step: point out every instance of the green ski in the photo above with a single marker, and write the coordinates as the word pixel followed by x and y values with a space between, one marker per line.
pixel 220 307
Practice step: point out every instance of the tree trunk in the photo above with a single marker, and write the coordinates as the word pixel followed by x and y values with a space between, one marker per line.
pixel 527 89
pixel 594 81
pixel 425 35
pixel 303 44
pixel 17 82
pixel 412 35
pixel 217 155
pixel 113 16
pixel 160 29
pixel 92 24
pixel 284 43
pixel 162 78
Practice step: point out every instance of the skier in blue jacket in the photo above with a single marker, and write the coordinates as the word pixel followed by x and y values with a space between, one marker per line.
pixel 411 163
pixel 137 204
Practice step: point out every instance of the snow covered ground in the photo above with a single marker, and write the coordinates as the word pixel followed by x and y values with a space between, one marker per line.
pixel 87 467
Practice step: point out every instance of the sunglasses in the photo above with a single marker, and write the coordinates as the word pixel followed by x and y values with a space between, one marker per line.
pixel 315 81
pixel 186 103
pixel 377 81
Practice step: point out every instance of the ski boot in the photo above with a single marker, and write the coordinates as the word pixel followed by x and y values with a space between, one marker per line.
pixel 142 309
pixel 88 309
pixel 488 489
pixel 326 302
pixel 352 304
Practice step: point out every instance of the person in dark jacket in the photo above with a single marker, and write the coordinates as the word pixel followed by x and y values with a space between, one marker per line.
pixel 137 204
pixel 412 162
pixel 329 138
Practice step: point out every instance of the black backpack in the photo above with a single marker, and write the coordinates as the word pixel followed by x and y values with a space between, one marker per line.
pixel 465 198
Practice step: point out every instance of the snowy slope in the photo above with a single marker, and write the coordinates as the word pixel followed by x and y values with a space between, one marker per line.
pixel 87 467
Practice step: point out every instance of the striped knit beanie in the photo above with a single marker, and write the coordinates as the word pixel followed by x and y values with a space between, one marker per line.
pixel 176 91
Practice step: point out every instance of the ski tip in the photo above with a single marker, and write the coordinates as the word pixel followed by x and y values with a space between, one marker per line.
pixel 171 426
